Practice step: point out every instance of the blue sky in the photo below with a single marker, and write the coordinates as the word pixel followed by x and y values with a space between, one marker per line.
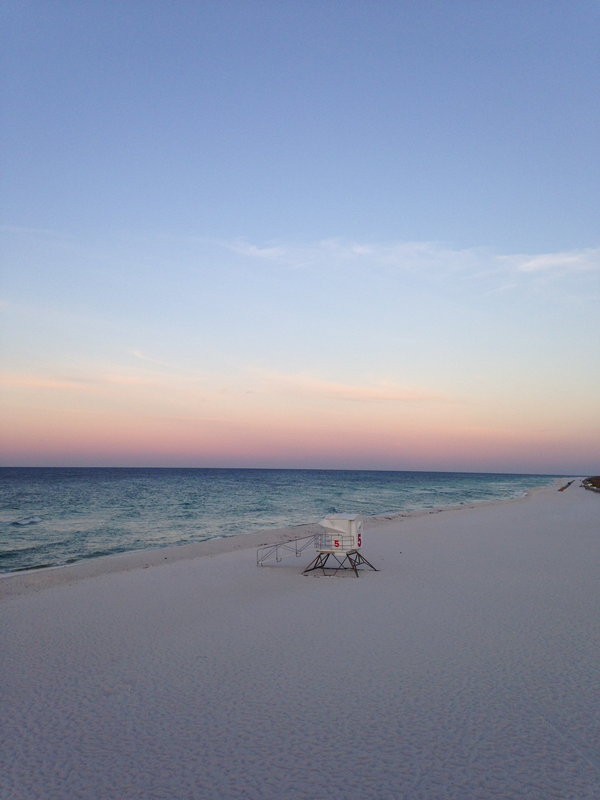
pixel 362 224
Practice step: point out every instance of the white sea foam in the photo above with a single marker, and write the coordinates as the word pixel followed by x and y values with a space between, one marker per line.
pixel 27 521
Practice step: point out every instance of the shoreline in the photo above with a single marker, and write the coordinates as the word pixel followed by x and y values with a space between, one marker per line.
pixel 24 581
pixel 465 666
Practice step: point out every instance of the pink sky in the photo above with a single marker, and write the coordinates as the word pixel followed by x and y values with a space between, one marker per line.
pixel 299 423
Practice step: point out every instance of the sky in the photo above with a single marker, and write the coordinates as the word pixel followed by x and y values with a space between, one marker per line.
pixel 317 234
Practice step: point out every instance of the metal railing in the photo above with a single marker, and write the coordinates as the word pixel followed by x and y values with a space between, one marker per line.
pixel 281 550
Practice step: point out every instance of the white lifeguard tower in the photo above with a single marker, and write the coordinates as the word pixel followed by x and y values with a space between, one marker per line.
pixel 340 541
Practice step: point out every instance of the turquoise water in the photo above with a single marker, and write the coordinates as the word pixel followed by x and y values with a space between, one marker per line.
pixel 55 516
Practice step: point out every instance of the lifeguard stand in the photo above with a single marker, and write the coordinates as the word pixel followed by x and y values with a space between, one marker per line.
pixel 340 541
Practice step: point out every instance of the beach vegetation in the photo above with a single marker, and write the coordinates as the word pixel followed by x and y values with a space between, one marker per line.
pixel 592 483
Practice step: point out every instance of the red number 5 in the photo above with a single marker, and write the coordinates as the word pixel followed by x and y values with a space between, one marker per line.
pixel 360 539
pixel 336 543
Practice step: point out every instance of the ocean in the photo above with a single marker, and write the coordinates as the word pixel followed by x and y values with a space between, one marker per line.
pixel 55 516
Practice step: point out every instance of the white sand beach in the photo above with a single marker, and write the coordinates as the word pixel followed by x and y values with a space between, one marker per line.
pixel 465 669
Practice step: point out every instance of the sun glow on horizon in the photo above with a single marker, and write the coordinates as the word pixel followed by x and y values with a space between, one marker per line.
pixel 307 423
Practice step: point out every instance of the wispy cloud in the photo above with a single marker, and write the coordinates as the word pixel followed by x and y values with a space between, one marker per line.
pixel 244 248
pixel 432 258
pixel 48 382
pixel 149 359
pixel 94 381
pixel 312 386
pixel 129 380
pixel 335 252
pixel 587 260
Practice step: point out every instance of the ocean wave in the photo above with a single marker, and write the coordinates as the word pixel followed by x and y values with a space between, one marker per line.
pixel 26 521
pixel 38 548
